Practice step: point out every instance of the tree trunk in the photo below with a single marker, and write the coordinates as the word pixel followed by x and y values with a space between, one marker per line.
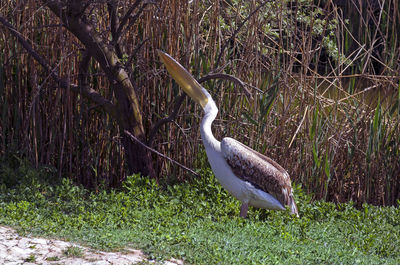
pixel 128 114
pixel 138 158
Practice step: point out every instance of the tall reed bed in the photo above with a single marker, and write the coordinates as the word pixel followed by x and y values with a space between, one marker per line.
pixel 322 95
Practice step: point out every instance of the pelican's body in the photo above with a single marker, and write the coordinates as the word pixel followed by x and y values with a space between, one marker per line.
pixel 249 176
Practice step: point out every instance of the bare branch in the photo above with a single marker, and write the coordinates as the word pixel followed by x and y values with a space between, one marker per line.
pixel 227 77
pixel 89 93
pixel 27 46
pixel 135 51
pixel 165 120
pixel 114 20
pixel 125 19
pixel 158 153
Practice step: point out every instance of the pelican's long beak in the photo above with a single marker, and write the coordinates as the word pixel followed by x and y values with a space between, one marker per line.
pixel 184 79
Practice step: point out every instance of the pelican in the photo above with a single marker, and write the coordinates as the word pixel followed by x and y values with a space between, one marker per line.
pixel 252 178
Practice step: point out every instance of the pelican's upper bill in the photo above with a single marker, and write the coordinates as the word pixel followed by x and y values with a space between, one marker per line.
pixel 184 78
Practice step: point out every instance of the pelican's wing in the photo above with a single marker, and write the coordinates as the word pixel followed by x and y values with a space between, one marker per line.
pixel 259 170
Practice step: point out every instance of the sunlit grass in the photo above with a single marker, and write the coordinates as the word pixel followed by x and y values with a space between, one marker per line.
pixel 199 223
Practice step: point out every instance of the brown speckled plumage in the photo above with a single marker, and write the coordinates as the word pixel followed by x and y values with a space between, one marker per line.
pixel 259 170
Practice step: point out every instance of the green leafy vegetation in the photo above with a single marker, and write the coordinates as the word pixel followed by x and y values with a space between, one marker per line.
pixel 31 258
pixel 73 251
pixel 55 258
pixel 286 16
pixel 198 222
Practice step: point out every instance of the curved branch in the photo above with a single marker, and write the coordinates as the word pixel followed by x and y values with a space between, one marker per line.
pixel 132 19
pixel 178 103
pixel 226 77
pixel 165 120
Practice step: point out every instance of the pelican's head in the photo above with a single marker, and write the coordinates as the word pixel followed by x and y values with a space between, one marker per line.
pixel 184 79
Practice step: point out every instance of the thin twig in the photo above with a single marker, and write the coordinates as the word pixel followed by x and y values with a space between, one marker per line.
pixel 158 153
pixel 135 51
pixel 298 127
pixel 165 120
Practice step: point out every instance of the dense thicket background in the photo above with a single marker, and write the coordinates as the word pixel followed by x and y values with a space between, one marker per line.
pixel 321 93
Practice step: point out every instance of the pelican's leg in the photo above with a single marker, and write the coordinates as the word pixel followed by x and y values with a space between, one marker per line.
pixel 243 209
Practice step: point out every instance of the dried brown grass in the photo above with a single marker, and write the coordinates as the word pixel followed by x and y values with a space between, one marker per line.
pixel 320 124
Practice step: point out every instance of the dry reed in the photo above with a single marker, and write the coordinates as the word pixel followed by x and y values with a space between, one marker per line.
pixel 314 88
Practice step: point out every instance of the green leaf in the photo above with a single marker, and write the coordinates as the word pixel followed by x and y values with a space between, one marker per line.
pixel 317 161
pixel 314 124
pixel 327 167
pixel 377 116
pixel 249 118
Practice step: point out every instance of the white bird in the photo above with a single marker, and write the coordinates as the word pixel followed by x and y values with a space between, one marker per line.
pixel 252 178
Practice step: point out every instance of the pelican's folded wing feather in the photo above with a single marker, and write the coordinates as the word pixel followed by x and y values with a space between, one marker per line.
pixel 259 170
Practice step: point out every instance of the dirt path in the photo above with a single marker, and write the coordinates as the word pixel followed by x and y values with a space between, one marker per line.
pixel 15 249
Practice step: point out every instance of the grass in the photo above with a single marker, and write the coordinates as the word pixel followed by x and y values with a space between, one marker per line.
pixel 31 258
pixel 55 258
pixel 73 251
pixel 198 222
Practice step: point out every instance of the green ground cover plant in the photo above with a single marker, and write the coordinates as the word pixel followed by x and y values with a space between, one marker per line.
pixel 197 222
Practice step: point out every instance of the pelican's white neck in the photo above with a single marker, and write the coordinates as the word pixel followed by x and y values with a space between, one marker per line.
pixel 210 113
